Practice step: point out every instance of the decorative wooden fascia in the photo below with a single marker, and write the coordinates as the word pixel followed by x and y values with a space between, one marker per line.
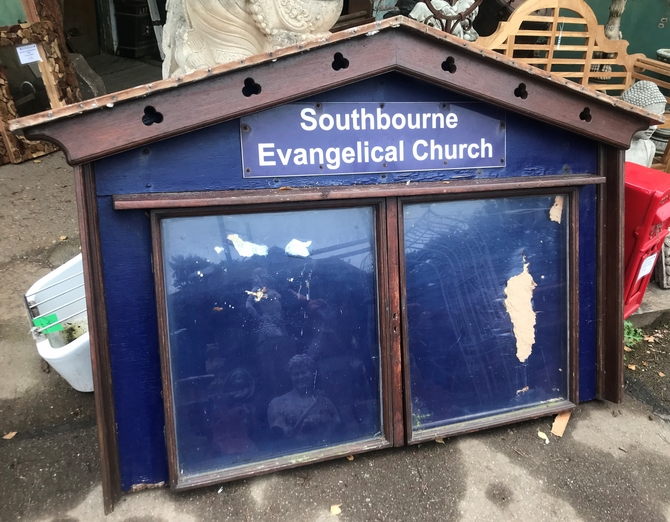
pixel 113 123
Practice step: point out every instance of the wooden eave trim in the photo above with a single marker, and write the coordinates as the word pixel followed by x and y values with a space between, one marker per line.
pixel 112 123
pixel 367 30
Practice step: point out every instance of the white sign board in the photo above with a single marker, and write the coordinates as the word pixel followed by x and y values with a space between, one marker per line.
pixel 28 54
pixel 647 266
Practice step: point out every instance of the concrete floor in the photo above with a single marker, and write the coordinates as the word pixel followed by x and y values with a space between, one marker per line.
pixel 613 463
pixel 654 308
pixel 120 73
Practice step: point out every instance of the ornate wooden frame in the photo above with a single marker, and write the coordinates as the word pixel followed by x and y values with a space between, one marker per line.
pixel 58 76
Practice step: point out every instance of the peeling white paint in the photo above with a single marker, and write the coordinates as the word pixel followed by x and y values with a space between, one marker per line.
pixel 218 249
pixel 556 211
pixel 245 248
pixel 519 306
pixel 297 248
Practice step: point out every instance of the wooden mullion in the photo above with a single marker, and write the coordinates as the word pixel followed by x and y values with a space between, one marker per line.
pixel 573 296
pixel 396 320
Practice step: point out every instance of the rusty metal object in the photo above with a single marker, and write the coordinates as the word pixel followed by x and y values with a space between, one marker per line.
pixel 449 22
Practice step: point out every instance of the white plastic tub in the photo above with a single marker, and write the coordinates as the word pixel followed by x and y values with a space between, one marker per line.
pixel 60 297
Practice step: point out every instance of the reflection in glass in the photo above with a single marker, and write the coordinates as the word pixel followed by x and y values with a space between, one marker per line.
pixel 272 323
pixel 25 83
pixel 466 357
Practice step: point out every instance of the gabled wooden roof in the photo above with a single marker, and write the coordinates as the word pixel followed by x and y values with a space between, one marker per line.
pixel 113 123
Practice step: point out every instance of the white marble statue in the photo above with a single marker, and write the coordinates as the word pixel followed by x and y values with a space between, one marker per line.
pixel 204 33
pixel 463 29
pixel 647 95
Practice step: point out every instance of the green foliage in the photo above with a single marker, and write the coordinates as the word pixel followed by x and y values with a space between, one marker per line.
pixel 631 334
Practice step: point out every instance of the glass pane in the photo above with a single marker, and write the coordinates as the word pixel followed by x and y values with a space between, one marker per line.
pixel 272 321
pixel 486 306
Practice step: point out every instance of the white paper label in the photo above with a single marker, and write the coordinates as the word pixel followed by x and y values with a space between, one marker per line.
pixel 28 54
pixel 647 266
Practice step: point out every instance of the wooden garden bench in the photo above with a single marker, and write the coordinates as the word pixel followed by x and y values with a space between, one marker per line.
pixel 569 43
pixel 564 38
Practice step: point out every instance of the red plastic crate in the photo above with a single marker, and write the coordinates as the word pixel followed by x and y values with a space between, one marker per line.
pixel 646 226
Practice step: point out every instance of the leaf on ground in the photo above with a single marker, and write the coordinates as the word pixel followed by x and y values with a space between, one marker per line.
pixel 661 374
pixel 10 435
pixel 627 349
pixel 335 509
pixel 350 457
pixel 439 440
pixel 632 367
pixel 63 238
pixel 543 436
pixel 37 161
pixel 649 338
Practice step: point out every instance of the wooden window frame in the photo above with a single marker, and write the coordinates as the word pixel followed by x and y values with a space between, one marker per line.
pixel 388 416
pixel 572 314
pixel 392 327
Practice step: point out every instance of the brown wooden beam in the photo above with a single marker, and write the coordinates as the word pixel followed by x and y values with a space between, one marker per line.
pixel 610 277
pixel 98 334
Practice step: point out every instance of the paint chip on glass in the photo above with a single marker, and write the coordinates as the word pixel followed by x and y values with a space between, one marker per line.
pixel 519 306
pixel 245 248
pixel 297 248
pixel 556 211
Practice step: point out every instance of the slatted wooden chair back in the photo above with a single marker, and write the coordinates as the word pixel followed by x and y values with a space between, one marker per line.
pixel 653 71
pixel 564 38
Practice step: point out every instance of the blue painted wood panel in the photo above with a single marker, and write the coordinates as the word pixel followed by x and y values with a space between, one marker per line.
pixel 209 159
pixel 587 293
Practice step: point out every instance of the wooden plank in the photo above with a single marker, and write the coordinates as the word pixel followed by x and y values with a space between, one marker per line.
pixel 385 312
pixel 573 296
pixel 256 197
pixel 396 338
pixel 483 423
pixel 30 9
pixel 98 334
pixel 163 342
pixel 610 372
pixel 48 78
pixel 280 463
